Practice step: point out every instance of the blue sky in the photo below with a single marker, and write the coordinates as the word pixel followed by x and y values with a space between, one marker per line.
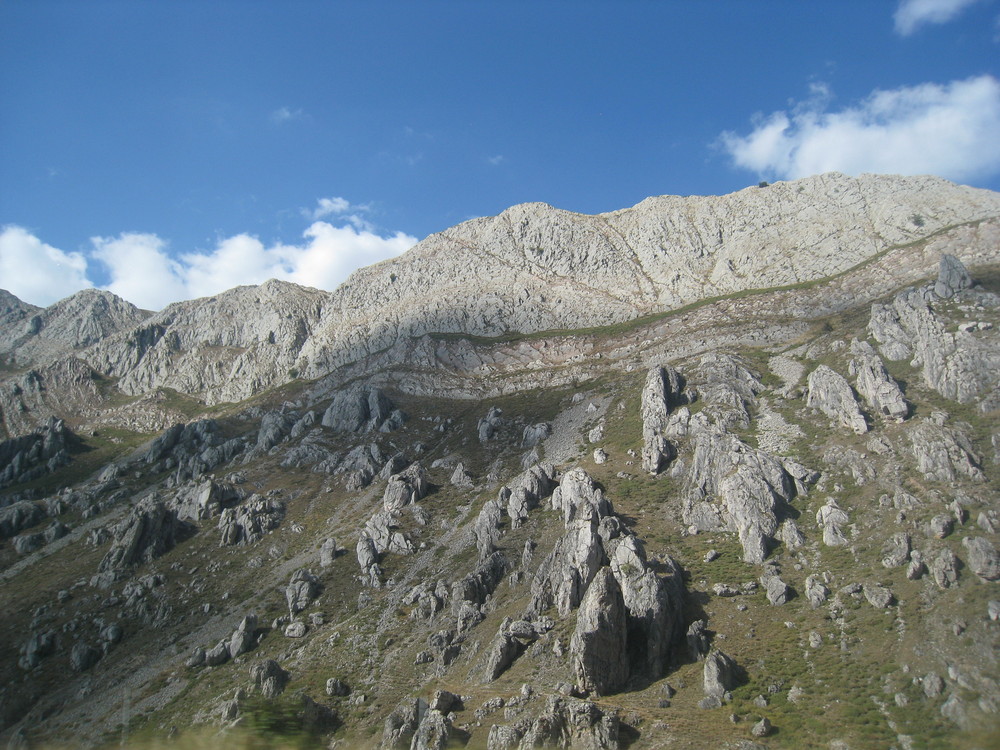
pixel 166 150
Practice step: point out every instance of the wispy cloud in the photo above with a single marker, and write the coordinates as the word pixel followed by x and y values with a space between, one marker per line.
pixel 948 130
pixel 912 14
pixel 285 114
pixel 36 272
pixel 342 208
pixel 496 160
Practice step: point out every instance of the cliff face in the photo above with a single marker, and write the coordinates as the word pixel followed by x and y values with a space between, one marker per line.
pixel 546 479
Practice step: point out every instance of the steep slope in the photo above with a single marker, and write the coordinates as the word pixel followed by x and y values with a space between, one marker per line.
pixel 532 268
pixel 767 519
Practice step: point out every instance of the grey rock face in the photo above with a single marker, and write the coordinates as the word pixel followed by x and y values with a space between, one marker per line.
pixel 432 732
pixel 274 427
pixel 402 723
pixel 831 394
pixel 249 522
pixel 83 656
pixel 37 647
pixel 697 640
pixel 579 499
pixel 487 527
pixel 365 409
pixel 778 592
pixel 953 277
pixel 535 434
pixel 959 365
pixel 944 568
pixel 19 516
pixel 218 654
pixel 598 647
pixel 244 638
pixel 660 395
pixel 337 688
pixel 875 385
pixel 405 488
pixel 489 426
pixel 762 728
pixel 301 590
pixel 750 485
pixel 877 595
pixel 71 324
pixel 832 520
pixel 915 569
pixel 719 674
pixel 563 577
pixel 897 550
pixel 816 590
pixel 943 454
pixel 460 477
pixel 567 722
pixel 654 604
pixel 269 678
pixel 328 552
pixel 502 652
pixel 31 456
pixel 202 500
pixel 148 532
pixel 197 658
pixel 982 557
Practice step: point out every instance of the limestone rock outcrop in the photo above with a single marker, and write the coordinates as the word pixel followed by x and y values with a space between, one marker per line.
pixel 660 395
pixel 149 531
pixel 598 648
pixel 960 365
pixel 876 386
pixel 831 394
pixel 748 487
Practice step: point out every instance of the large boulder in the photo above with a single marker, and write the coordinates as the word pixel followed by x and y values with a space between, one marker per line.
pixel 982 557
pixel 301 590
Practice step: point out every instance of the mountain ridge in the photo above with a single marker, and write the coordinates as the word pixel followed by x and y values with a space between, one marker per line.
pixel 531 268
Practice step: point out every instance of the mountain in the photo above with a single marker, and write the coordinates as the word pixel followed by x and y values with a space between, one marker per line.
pixel 545 479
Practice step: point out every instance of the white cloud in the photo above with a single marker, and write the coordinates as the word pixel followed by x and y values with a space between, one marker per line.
pixel 142 269
pixel 911 14
pixel 285 114
pixel 950 130
pixel 38 273
pixel 143 272
pixel 343 208
pixel 328 206
pixel 495 160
